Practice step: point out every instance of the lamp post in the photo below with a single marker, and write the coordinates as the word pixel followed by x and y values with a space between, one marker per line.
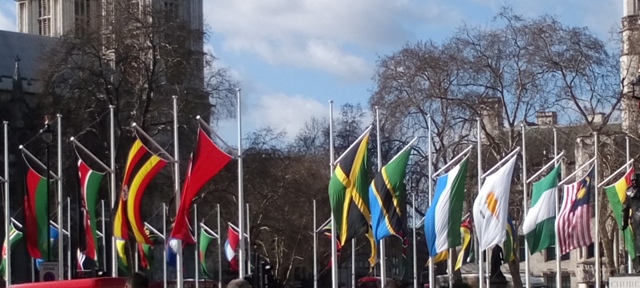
pixel 47 136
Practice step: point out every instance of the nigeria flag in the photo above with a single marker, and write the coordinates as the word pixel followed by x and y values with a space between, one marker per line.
pixel 539 223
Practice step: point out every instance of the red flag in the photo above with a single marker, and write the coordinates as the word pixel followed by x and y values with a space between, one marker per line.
pixel 207 160
pixel 230 248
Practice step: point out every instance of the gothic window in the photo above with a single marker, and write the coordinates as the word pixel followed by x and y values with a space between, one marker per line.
pixel 44 17
pixel 82 15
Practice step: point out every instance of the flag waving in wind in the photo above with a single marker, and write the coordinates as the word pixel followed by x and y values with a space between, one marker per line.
pixel 617 195
pixel 444 216
pixel 491 206
pixel 205 239
pixel 231 248
pixel 349 196
pixel 89 185
pixel 142 166
pixel 466 253
pixel 14 237
pixel 574 220
pixel 35 212
pixel 206 161
pixel 539 224
pixel 387 197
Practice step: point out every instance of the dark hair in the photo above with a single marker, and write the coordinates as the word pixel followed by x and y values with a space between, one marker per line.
pixel 138 280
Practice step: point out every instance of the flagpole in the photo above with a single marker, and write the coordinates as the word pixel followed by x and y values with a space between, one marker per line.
pixel 597 207
pixel 104 237
pixel 166 243
pixel 248 241
pixel 112 187
pixel 60 235
pixel 415 253
pixel 629 261
pixel 195 231
pixel 69 267
pixel 557 238
pixel 176 178
pixel 219 248
pixel 334 249
pixel 525 203
pixel 383 264
pixel 480 258
pixel 241 251
pixel 136 260
pixel 315 246
pixel 353 262
pixel 432 276
pixel 7 210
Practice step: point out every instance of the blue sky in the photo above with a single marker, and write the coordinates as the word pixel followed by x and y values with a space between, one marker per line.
pixel 292 57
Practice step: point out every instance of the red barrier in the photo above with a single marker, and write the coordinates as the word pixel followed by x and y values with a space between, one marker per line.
pixel 108 283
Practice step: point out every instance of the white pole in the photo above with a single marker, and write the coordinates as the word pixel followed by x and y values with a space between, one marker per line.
pixel 166 242
pixel 104 237
pixel 112 187
pixel 525 203
pixel 597 207
pixel 136 260
pixel 629 261
pixel 197 258
pixel 241 251
pixel 432 276
pixel 248 241
pixel 415 253
pixel 353 262
pixel 60 207
pixel 383 264
pixel 334 249
pixel 176 187
pixel 7 210
pixel 69 267
pixel 315 246
pixel 480 258
pixel 219 248
pixel 557 240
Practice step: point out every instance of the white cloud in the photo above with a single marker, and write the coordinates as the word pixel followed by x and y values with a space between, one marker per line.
pixel 284 112
pixel 7 16
pixel 327 35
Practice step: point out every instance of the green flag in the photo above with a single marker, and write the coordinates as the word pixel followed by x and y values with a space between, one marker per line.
pixel 14 237
pixel 539 223
pixel 205 239
pixel 617 195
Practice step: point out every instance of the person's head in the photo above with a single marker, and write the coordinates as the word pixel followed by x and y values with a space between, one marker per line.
pixel 137 280
pixel 239 283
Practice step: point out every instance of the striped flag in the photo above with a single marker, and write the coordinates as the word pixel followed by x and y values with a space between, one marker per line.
pixel 444 216
pixel 574 221
pixel 539 224
pixel 89 189
pixel 617 195
pixel 35 212
pixel 466 254
pixel 14 237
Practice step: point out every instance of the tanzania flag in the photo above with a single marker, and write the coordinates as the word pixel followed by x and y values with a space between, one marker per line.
pixel 466 254
pixel 510 245
pixel 348 191
pixel 387 197
pixel 35 212
pixel 207 160
pixel 89 186
pixel 14 237
pixel 141 167
pixel 205 239
pixel 617 194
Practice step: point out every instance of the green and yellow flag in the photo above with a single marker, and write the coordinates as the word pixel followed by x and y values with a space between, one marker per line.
pixel 348 192
pixel 617 194
pixel 14 237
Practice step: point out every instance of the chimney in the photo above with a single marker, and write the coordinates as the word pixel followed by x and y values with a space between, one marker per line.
pixel 546 118
pixel 597 118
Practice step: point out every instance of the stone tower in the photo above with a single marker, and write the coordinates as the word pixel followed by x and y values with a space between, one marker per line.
pixel 629 66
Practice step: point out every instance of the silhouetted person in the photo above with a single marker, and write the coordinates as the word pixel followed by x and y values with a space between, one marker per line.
pixel 239 283
pixel 137 280
pixel 496 262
